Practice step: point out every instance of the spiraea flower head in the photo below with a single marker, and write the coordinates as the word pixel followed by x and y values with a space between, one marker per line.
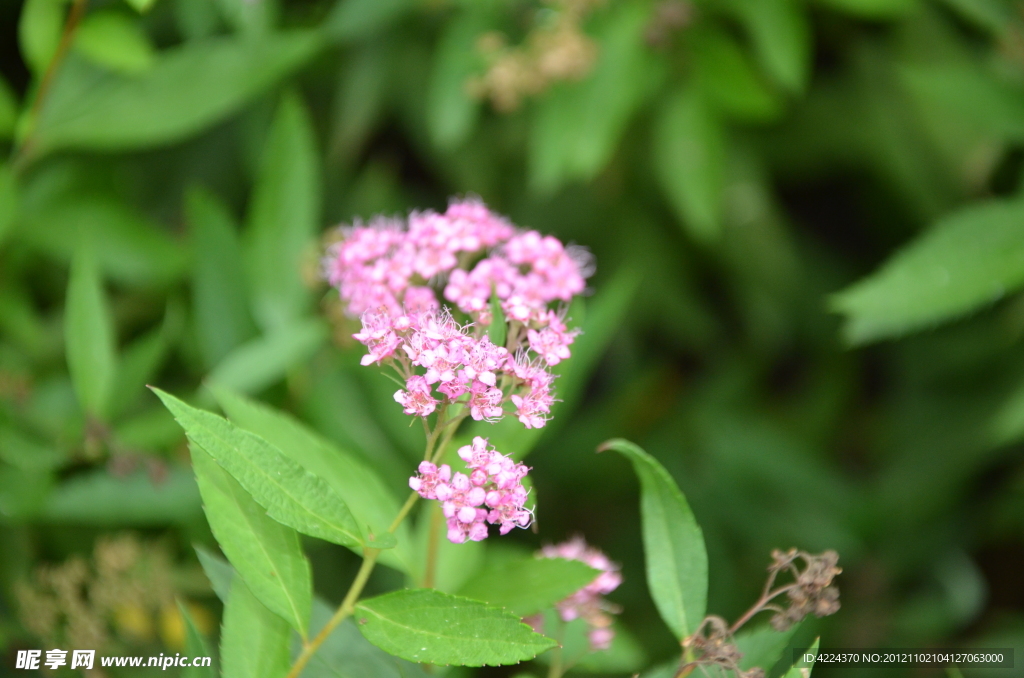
pixel 396 276
pixel 588 603
pixel 491 492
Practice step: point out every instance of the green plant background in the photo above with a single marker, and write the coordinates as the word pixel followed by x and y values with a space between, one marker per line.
pixel 810 249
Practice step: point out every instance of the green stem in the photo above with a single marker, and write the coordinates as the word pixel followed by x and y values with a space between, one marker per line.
pixel 556 670
pixel 24 151
pixel 433 546
pixel 347 607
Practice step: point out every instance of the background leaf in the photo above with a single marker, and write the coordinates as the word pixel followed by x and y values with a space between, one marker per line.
pixel 39 29
pixel 254 641
pixel 258 363
pixel 113 40
pixel 188 88
pixel 219 298
pixel 89 334
pixel 101 500
pixel 424 625
pixel 283 218
pixel 676 561
pixel 195 646
pixel 966 260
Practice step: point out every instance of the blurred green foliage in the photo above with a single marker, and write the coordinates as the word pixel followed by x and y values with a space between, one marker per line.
pixel 807 223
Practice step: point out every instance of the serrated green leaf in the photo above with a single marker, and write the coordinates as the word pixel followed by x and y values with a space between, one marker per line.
pixel 254 642
pixel 689 162
pixel 100 499
pixel 128 248
pixel 528 585
pixel 89 334
pixel 39 30
pixel 195 646
pixel 802 669
pixel 427 626
pixel 111 39
pixel 262 361
pixel 291 495
pixel 188 88
pixel 371 503
pixel 676 559
pixel 8 111
pixel 781 36
pixel 283 218
pixel 265 553
pixel 218 279
pixel 968 259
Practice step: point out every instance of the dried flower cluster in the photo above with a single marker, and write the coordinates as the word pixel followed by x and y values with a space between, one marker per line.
pixel 556 50
pixel 386 273
pixel 588 603
pixel 811 591
pixel 492 493
pixel 127 585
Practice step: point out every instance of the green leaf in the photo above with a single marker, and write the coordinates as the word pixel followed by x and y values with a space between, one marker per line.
pixel 292 495
pixel 152 429
pixel 427 626
pixel 625 655
pixel 218 282
pixel 578 125
pixel 969 259
pixel 993 15
pixel 347 654
pixel 195 646
pixel 113 40
pixel 100 499
pixel 23 450
pixel 23 492
pixel 359 99
pixel 265 553
pixel 781 36
pixel 254 642
pixel 218 571
pixel 139 363
pixel 252 18
pixel 128 248
pixel 262 361
pixel 372 504
pixel 141 6
pixel 728 78
pixel 39 30
pixel 874 9
pixel 496 332
pixel 8 111
pixel 689 162
pixel 763 646
pixel 802 669
pixel 89 334
pixel 451 111
pixel 189 88
pixel 354 19
pixel 283 218
pixel 676 560
pixel 8 199
pixel 529 585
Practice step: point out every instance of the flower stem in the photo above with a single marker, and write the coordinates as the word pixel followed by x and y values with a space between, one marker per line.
pixel 67 35
pixel 433 547
pixel 556 670
pixel 348 605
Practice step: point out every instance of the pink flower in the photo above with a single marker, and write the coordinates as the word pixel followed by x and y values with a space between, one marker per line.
pixel 416 399
pixel 492 493
pixel 588 603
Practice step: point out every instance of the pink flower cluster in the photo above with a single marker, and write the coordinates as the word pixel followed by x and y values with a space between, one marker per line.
pixel 587 603
pixel 387 264
pixel 492 493
pixel 390 273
